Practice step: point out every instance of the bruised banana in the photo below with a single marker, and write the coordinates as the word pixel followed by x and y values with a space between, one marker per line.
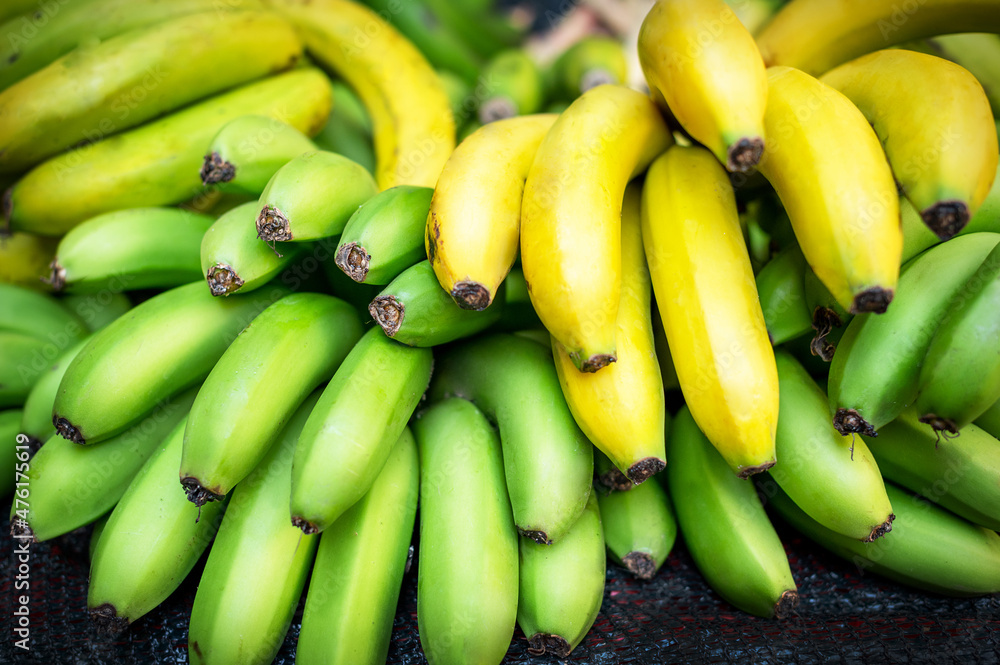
pixel 639 527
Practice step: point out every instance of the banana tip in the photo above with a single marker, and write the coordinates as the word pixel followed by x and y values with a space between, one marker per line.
pixel 388 312
pixel 645 468
pixel 849 421
pixel 21 530
pixel 536 535
pixel 747 471
pixel 881 529
pixel 546 643
pixel 272 225
pixel 824 320
pixel 497 108
pixel 106 620
pixel 946 218
pixel 197 493
pixel 615 480
pixel 215 170
pixel 945 426
pixel 57 276
pixel 66 430
pixel 640 564
pixel 786 604
pixel 471 295
pixel 595 362
pixel 596 76
pixel 353 260
pixel 874 299
pixel 744 155
pixel 307 527
pixel 223 280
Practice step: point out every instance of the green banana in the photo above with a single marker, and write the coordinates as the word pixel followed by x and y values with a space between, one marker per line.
pixel 39 315
pixel 282 356
pixel 467 538
pixel 351 431
pixel 874 373
pixel 483 31
pixel 414 310
pixel 17 377
pixel 461 95
pixel 547 460
pixel 11 441
pixel 311 197
pixel 931 548
pixel 36 420
pixel 514 84
pixel 150 543
pixel 348 131
pixel 561 586
pixel 639 527
pixel 990 420
pixel 827 316
pixel 250 149
pixel 125 250
pixel 257 566
pixel 725 527
pixel 156 163
pixel 385 235
pixel 164 345
pixel 97 309
pixel 95 535
pixel 782 296
pixel 609 477
pixel 360 562
pixel 70 485
pixel 14 8
pixel 518 312
pixel 590 62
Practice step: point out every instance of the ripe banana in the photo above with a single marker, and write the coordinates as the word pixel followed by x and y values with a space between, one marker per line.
pixel 781 288
pixel 843 206
pixel 713 321
pixel 874 373
pixel 639 527
pixel 515 86
pixel 979 53
pixel 39 315
pixel 990 420
pixel 156 163
pixel 621 408
pixel 36 420
pixel 17 377
pixel 700 58
pixel 24 259
pixel 413 127
pixel 547 459
pixel 588 63
pixel 360 562
pixel 149 544
pixel 97 309
pixel 467 538
pixel 570 229
pixel 473 227
pixel 164 345
pixel 725 527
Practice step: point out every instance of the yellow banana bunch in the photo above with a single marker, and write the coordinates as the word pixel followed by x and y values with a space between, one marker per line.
pixel 571 212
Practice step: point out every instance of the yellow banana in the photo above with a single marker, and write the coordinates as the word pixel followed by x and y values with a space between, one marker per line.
pixel 621 409
pixel 705 64
pixel 707 297
pixel 473 226
pixel 413 125
pixel 828 167
pixel 571 212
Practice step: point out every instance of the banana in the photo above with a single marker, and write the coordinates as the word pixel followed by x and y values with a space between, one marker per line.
pixel 588 63
pixel 36 420
pixel 990 420
pixel 667 370
pixel 700 58
pixel 461 95
pixel 312 197
pixel 24 259
pixel 257 566
pixel 12 441
pixel 515 86
pixel 70 485
pixel 482 30
pixel 935 124
pixel 979 53
pixel 17 377
pixel 781 287
pixel 621 408
pixel 725 527
pixel 713 320
pixel 561 586
pixel 360 562
pixel 413 127
pixel 348 130
pixel 350 433
pixel 250 149
pixel 754 14
pixel 570 239
pixel 97 309
pixel 265 374
pixel 164 345
pixel 95 535
pixel 547 459
pixel 39 315
pixel 473 227
pixel 817 35
pixel 607 476
pixel 518 314
pixel 156 163
pixel 930 548
pixel 414 310
pixel 13 8
pixel 827 316
pixel 125 250
pixel 844 208
pixel 149 544
pixel 385 235
pixel 639 528
pixel 467 538
pixel 874 373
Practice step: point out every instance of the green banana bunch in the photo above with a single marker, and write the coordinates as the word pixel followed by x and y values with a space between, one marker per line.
pixel 348 130
pixel 125 250
pixel 350 433
pixel 70 485
pixel 874 373
pixel 97 309
pixel 782 296
pixel 990 420
pixel 11 440
pixel 467 538
pixel 39 315
pixel 149 544
pixel 414 310
pixel 165 344
pixel 17 378
pixel 639 527
pixel 360 562
pixel 588 63
pixel 250 149
pixel 36 419
pixel 282 356
pixel 725 527
pixel 257 566
pixel 385 235
pixel 514 86
pixel 561 586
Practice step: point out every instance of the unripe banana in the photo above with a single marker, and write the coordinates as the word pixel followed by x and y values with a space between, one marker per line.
pixel 639 527
pixel 385 235
pixel 355 583
pixel 518 314
pixel 282 356
pixel 473 227
pixel 990 420
pixel 17 378
pixel 37 414
pixel 467 538
pixel 874 373
pixel 38 315
pixel 781 289
pixel 11 439
pixel 24 259
pixel 350 433
pixel 561 586
pixel 164 345
pixel 570 238
pixel 590 62
pixel 705 64
pixel 547 459
pixel 482 30
pixel 515 84
pixel 95 535
pixel 725 527
pixel 713 321
pixel 97 309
